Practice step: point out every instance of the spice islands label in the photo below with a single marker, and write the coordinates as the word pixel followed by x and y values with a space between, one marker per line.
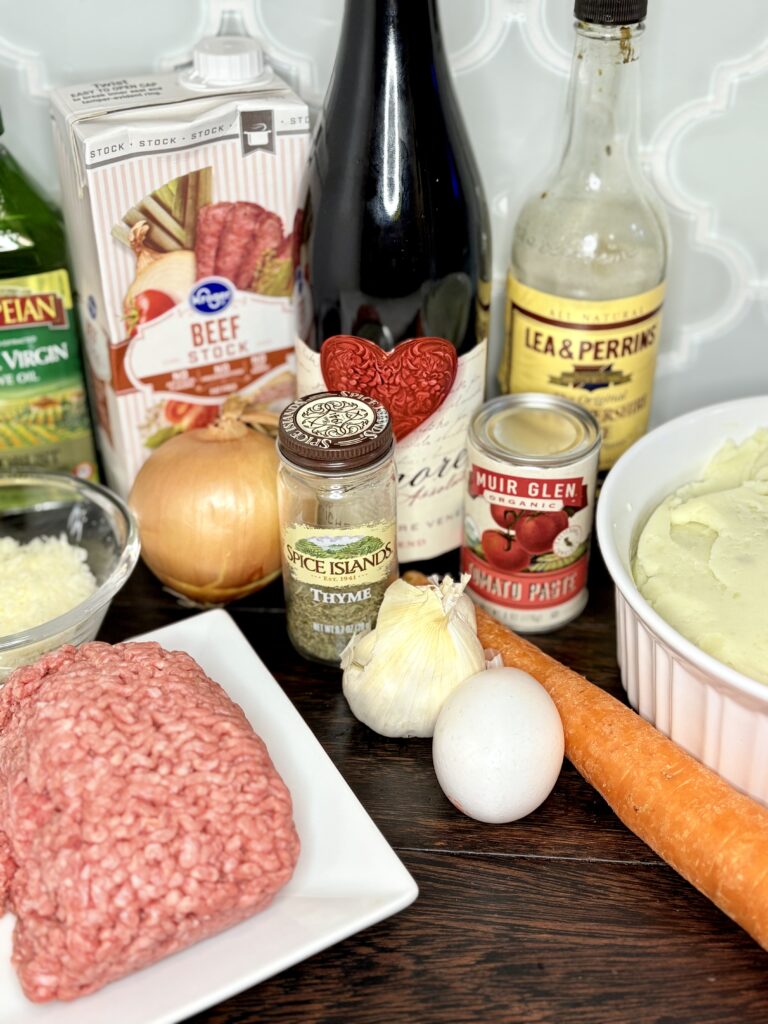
pixel 340 558
pixel 599 354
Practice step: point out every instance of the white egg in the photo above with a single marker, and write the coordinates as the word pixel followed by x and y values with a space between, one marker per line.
pixel 498 745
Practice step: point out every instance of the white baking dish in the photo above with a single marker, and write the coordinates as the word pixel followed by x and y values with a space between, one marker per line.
pixel 714 712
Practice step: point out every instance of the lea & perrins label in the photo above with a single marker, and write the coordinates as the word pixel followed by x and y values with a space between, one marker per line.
pixel 600 354
pixel 529 508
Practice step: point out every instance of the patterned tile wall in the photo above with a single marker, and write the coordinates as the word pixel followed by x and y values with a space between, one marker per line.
pixel 704 132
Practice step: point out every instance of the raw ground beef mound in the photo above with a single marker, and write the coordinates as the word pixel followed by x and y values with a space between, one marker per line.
pixel 139 813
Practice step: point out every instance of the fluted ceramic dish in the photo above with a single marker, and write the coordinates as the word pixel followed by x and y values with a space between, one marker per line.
pixel 714 712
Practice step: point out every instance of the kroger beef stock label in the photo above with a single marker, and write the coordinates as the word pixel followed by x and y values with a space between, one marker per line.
pixel 180 213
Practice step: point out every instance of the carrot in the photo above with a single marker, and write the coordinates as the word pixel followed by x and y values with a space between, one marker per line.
pixel 711 834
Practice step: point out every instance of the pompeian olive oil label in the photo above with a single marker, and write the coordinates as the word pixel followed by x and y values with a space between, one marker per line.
pixel 44 420
pixel 599 354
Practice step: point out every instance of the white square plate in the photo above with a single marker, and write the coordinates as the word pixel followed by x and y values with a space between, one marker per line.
pixel 347 877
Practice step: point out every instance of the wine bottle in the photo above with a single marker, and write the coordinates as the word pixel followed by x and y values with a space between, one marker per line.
pixel 393 257
pixel 589 252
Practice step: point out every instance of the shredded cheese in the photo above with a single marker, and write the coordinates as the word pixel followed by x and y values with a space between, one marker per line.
pixel 40 580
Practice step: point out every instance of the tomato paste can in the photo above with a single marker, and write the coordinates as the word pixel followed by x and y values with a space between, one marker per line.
pixel 529 509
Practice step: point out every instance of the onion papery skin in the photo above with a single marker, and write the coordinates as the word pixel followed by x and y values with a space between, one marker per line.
pixel 206 504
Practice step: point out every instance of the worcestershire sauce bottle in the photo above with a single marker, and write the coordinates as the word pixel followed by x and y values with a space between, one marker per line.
pixel 589 253
pixel 393 259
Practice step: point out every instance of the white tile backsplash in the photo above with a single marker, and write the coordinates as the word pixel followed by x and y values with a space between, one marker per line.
pixel 704 134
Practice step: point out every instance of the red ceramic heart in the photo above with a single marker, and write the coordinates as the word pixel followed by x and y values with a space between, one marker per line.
pixel 412 382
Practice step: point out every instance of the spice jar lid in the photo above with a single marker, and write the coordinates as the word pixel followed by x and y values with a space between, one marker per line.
pixel 334 431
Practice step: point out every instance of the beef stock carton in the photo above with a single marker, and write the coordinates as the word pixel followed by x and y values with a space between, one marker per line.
pixel 179 202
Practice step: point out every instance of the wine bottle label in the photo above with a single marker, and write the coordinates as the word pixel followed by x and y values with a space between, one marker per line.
pixel 431 395
pixel 599 354
pixel 44 420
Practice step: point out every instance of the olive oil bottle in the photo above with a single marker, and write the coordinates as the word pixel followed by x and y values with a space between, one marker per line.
pixel 589 251
pixel 44 422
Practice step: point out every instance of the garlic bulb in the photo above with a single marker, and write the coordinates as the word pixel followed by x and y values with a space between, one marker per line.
pixel 397 676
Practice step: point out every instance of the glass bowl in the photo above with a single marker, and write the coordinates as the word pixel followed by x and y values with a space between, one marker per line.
pixel 89 515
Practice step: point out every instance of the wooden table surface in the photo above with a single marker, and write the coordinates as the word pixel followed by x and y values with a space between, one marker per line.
pixel 564 917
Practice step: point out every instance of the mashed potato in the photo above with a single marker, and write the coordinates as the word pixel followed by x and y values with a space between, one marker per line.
pixel 702 558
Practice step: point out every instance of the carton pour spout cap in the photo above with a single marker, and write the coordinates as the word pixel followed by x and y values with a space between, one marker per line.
pixel 225 61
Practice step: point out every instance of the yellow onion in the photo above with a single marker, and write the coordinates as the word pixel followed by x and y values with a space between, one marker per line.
pixel 206 503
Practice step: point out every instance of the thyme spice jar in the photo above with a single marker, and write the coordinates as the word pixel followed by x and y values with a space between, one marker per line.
pixel 337 494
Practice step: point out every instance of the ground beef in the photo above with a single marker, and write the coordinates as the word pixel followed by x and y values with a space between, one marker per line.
pixel 139 813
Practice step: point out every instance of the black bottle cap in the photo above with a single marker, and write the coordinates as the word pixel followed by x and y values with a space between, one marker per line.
pixel 611 12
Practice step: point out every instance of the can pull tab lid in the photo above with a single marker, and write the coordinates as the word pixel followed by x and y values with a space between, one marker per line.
pixel 225 61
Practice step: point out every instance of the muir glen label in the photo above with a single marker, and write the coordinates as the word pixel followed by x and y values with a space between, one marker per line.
pixel 601 355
